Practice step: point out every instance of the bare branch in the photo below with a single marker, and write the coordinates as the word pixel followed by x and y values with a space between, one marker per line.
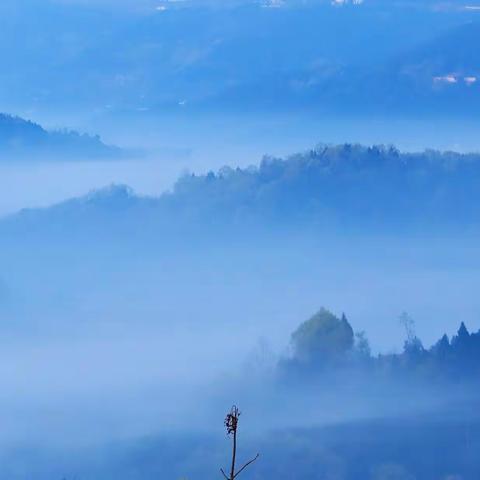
pixel 246 465
pixel 223 473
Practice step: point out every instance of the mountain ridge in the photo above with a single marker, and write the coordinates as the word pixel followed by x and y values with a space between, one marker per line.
pixel 20 137
pixel 329 187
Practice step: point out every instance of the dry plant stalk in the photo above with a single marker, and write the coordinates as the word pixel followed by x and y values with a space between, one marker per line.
pixel 231 424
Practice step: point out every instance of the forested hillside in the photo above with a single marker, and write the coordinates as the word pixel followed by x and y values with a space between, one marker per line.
pixel 23 138
pixel 330 188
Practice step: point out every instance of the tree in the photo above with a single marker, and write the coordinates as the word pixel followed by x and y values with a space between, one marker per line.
pixel 362 346
pixel 441 349
pixel 323 338
pixel 462 339
pixel 409 325
pixel 231 424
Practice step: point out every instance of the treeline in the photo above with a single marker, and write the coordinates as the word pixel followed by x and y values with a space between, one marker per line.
pixel 330 190
pixel 346 185
pixel 326 343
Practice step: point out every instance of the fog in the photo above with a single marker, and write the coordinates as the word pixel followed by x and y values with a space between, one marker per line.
pixel 207 205
pixel 114 342
pixel 117 333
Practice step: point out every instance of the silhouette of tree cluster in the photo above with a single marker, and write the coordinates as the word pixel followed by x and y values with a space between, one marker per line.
pixel 326 343
pixel 339 185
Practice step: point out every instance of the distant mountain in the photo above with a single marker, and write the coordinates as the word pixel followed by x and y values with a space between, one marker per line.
pixel 439 75
pixel 454 52
pixel 19 137
pixel 187 55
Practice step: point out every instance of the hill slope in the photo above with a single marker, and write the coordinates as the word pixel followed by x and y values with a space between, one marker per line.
pixel 19 137
pixel 330 188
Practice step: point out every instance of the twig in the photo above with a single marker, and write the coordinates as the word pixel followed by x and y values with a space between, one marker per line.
pixel 223 473
pixel 246 465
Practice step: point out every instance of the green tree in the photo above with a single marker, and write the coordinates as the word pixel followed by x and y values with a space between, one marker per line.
pixel 323 338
